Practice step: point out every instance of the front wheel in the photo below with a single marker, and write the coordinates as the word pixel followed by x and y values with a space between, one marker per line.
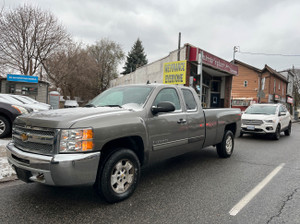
pixel 289 130
pixel 5 127
pixel 120 176
pixel 225 148
pixel 276 135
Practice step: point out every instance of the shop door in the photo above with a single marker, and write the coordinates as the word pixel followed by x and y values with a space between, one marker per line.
pixel 215 100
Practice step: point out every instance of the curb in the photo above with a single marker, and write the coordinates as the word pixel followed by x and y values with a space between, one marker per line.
pixel 8 179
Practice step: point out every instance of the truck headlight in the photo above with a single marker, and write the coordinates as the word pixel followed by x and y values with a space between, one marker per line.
pixel 76 140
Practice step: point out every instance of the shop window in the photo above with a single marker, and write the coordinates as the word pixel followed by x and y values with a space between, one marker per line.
pixel 215 86
pixel 11 88
pixel 29 90
pixel 245 83
pixel 278 85
pixel 274 85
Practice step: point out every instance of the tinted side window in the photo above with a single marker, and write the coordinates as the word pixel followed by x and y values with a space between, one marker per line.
pixel 170 95
pixel 189 99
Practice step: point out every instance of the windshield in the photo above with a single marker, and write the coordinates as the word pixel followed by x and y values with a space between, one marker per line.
pixel 261 109
pixel 11 99
pixel 130 97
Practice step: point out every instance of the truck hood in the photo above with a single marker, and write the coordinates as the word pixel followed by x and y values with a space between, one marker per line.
pixel 65 118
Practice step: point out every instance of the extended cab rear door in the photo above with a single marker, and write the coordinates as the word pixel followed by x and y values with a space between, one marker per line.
pixel 195 117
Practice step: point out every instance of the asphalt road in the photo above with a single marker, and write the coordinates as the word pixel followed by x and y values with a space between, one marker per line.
pixel 194 188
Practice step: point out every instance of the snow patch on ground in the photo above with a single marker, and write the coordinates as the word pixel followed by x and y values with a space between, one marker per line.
pixel 5 169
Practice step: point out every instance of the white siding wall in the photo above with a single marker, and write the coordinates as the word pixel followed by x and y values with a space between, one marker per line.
pixel 152 72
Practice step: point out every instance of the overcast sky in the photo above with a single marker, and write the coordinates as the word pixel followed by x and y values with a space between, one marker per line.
pixel 258 26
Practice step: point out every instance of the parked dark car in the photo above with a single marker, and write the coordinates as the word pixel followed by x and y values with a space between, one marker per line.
pixel 8 113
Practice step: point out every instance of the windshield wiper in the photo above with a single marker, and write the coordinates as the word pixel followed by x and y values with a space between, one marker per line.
pixel 116 105
pixel 89 105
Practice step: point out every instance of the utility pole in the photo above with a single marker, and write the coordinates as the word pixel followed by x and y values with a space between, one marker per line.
pixel 235 49
pixel 179 43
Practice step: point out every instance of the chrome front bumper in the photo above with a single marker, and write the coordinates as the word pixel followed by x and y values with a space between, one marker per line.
pixel 60 170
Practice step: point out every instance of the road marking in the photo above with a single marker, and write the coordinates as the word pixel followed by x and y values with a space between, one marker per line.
pixel 245 200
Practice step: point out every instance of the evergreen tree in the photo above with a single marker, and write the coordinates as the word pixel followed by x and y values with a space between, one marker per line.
pixel 136 58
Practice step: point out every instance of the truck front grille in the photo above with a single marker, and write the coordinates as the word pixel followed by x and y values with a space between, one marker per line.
pixel 35 140
pixel 252 122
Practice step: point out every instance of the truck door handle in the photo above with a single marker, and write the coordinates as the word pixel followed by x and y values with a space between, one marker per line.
pixel 181 121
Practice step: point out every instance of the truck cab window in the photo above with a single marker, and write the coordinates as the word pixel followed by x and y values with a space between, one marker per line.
pixel 189 99
pixel 170 95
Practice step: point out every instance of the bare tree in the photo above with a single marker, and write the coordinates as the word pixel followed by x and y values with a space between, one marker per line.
pixel 107 55
pixel 296 87
pixel 71 70
pixel 27 38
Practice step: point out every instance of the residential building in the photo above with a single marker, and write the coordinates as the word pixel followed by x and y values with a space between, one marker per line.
pixel 245 86
pixel 253 85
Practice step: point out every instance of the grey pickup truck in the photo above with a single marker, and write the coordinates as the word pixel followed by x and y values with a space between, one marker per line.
pixel 122 129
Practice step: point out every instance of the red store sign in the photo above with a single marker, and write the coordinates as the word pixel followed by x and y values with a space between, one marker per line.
pixel 290 100
pixel 213 61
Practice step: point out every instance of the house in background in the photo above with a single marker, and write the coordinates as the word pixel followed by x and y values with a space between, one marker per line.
pixel 253 85
pixel 290 76
pixel 245 86
pixel 273 86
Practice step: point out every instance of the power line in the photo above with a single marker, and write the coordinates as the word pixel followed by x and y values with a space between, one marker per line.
pixel 267 54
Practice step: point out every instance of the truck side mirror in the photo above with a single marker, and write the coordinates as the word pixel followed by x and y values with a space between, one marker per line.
pixel 164 106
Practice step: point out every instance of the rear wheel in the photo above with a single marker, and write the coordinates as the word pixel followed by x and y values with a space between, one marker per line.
pixel 120 175
pixel 225 148
pixel 5 127
pixel 289 130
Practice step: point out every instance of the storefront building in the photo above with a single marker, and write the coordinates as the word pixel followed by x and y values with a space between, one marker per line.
pixel 217 75
pixel 25 85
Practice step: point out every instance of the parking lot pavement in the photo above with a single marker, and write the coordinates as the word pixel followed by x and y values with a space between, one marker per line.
pixel 6 172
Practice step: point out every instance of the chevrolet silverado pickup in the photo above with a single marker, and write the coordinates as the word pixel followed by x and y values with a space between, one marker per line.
pixel 107 142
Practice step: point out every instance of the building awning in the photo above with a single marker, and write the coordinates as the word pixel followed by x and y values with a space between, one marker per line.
pixel 213 61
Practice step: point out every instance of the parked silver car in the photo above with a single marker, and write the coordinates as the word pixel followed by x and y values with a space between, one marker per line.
pixel 20 100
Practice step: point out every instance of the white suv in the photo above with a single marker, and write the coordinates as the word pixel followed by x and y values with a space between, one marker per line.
pixel 266 119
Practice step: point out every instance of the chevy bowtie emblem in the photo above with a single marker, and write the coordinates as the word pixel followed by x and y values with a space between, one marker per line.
pixel 24 137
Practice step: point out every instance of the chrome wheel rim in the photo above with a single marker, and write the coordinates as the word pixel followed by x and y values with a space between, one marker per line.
pixel 2 126
pixel 122 176
pixel 228 145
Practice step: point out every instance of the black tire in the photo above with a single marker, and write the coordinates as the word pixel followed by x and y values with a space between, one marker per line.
pixel 276 135
pixel 288 131
pixel 225 148
pixel 119 176
pixel 5 127
pixel 241 134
